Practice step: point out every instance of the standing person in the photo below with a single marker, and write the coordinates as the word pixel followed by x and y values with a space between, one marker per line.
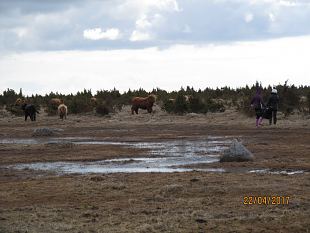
pixel 257 103
pixel 273 103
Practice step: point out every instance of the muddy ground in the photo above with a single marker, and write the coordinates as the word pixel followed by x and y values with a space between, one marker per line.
pixel 38 201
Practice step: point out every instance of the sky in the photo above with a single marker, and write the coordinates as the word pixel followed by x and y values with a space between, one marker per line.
pixel 66 46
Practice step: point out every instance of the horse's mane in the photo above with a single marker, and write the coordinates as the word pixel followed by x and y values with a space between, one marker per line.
pixel 152 98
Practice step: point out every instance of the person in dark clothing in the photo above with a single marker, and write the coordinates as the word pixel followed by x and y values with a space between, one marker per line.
pixel 257 104
pixel 273 103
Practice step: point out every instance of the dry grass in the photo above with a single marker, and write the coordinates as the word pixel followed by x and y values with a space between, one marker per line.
pixel 33 201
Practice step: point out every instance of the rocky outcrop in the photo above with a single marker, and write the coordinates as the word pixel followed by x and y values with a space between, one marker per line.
pixel 237 153
pixel 45 132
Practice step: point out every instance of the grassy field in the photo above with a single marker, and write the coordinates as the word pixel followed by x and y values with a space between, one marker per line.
pixel 38 201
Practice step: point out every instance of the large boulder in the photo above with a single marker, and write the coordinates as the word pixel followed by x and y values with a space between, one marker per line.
pixel 237 153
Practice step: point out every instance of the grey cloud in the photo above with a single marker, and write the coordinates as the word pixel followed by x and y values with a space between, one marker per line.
pixel 35 6
pixel 218 21
pixel 59 25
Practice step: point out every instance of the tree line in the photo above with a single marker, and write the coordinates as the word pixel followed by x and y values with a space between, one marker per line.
pixel 292 99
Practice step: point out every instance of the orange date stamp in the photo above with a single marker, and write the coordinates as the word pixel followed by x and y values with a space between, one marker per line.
pixel 266 200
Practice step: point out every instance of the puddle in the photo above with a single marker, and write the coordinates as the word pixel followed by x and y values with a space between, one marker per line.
pixel 166 156
pixel 140 165
pixel 19 141
pixel 175 148
pixel 36 141
pixel 277 172
pixel 172 148
pixel 136 165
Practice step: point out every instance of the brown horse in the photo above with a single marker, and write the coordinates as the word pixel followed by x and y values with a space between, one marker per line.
pixel 143 103
pixel 20 102
pixel 93 101
pixel 56 102
pixel 62 111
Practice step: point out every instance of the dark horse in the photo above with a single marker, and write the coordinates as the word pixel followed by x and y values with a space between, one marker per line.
pixel 143 103
pixel 30 110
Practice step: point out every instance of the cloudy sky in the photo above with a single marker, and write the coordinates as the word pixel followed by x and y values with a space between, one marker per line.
pixel 69 45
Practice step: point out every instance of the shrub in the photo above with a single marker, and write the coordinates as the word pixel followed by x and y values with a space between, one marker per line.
pixel 168 105
pixel 15 110
pixel 102 109
pixel 79 104
pixel 51 109
pixel 289 98
pixel 197 106
pixel 180 105
pixel 244 107
pixel 9 97
pixel 215 106
pixel 308 101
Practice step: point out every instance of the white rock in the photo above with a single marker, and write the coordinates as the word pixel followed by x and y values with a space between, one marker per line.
pixel 237 153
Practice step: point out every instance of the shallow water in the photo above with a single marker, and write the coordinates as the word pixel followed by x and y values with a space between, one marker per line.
pixel 277 172
pixel 139 165
pixel 112 166
pixel 165 156
pixel 19 141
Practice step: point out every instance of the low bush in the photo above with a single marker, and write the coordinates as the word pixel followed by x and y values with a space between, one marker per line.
pixel 79 104
pixel 244 106
pixel 51 109
pixel 15 110
pixel 102 109
pixel 197 106
pixel 308 101
pixel 168 105
pixel 215 106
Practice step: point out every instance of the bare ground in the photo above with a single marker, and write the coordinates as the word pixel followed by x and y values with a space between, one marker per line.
pixel 34 201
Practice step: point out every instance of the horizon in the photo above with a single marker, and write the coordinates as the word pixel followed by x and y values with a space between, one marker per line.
pixel 94 92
